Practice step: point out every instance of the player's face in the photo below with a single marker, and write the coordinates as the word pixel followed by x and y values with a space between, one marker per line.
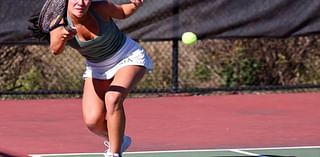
pixel 79 8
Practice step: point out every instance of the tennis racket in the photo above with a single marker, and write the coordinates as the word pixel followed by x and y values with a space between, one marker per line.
pixel 52 14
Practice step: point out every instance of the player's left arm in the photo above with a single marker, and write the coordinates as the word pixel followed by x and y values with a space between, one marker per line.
pixel 119 11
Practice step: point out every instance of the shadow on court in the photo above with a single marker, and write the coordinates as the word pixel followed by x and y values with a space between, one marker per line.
pixel 2 154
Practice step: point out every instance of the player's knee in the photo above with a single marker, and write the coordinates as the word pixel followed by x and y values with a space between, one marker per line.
pixel 92 126
pixel 113 101
pixel 92 123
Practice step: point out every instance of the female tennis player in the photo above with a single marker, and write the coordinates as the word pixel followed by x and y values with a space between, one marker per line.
pixel 114 65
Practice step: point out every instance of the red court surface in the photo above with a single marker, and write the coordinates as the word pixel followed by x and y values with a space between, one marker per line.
pixel 165 123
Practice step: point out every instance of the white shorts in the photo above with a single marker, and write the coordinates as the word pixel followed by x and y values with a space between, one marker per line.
pixel 130 54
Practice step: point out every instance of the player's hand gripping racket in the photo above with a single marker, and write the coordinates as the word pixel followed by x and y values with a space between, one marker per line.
pixel 53 15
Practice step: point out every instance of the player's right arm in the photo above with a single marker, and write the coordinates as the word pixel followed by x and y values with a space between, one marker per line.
pixel 59 38
pixel 120 11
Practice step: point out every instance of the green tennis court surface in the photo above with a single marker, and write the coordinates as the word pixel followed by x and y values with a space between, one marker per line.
pixel 309 151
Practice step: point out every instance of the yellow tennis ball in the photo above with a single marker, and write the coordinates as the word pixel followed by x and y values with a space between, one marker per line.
pixel 189 38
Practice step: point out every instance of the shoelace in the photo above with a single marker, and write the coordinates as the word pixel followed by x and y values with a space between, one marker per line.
pixel 108 153
pixel 107 144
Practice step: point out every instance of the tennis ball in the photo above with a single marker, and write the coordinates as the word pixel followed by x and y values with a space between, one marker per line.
pixel 189 38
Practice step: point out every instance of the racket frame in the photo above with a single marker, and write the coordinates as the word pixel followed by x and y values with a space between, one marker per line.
pixel 57 23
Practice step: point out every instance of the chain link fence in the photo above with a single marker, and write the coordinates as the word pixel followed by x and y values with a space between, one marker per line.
pixel 209 65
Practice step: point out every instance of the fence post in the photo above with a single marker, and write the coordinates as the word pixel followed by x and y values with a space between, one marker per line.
pixel 175 49
pixel 175 66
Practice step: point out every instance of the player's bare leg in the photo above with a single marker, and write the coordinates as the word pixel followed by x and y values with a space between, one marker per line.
pixel 93 106
pixel 125 79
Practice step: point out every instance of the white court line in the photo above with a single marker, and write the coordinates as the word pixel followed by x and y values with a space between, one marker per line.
pixel 245 152
pixel 276 148
pixel 185 151
pixel 42 155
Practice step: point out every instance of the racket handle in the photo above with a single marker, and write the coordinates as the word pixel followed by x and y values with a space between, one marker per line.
pixel 70 29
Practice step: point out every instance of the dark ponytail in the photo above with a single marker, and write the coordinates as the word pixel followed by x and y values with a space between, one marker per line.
pixel 34 27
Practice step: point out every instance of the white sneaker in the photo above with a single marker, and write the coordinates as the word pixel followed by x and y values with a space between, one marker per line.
pixel 108 154
pixel 126 142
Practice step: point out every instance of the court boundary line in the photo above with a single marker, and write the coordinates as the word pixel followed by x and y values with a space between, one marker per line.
pixel 245 152
pixel 182 151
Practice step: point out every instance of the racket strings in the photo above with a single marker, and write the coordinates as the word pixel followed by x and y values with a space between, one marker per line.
pixel 51 14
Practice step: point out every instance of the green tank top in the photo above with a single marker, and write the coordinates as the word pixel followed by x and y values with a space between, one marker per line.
pixel 109 40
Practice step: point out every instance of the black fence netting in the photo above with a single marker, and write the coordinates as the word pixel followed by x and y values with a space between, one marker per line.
pixel 159 20
pixel 244 45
